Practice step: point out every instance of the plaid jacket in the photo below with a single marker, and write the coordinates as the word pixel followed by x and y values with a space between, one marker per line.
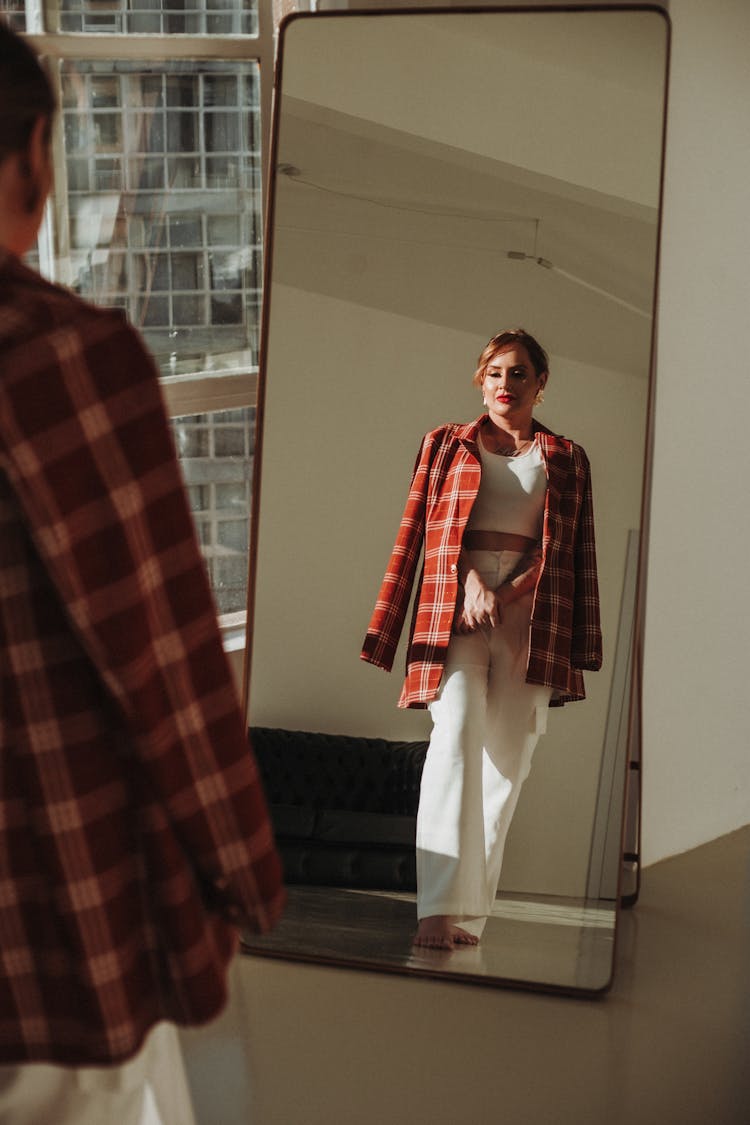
pixel 565 633
pixel 134 836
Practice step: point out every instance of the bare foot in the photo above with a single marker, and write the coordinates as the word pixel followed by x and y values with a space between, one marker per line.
pixel 439 931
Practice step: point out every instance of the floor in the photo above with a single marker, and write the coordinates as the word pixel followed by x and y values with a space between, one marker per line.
pixel 668 1045
pixel 554 943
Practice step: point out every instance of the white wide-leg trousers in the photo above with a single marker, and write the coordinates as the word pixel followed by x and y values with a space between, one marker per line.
pixel 150 1089
pixel 487 722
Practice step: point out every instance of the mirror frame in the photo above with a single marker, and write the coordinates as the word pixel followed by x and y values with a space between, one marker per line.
pixel 629 870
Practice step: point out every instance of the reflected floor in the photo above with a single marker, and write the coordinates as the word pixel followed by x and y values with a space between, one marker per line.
pixel 552 943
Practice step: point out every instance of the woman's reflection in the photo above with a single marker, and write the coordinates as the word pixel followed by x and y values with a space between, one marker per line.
pixel 506 618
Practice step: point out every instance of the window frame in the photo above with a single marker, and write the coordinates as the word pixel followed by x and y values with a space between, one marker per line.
pixel 198 393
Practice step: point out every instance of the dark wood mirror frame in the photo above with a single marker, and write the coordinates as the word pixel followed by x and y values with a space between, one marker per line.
pixel 619 797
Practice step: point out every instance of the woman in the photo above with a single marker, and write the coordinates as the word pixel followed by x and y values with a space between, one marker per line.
pixel 134 835
pixel 506 619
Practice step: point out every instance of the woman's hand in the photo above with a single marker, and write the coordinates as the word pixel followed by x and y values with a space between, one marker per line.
pixel 480 606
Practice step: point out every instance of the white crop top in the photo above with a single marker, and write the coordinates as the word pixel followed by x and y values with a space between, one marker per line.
pixel 511 493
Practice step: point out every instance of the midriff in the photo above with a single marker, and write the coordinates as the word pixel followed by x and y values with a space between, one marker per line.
pixel 497 541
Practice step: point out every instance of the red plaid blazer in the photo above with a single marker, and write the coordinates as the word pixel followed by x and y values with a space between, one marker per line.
pixel 565 632
pixel 134 836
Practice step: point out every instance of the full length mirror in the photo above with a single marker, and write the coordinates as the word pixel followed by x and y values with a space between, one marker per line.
pixel 439 177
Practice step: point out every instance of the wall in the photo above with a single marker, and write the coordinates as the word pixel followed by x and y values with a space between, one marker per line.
pixel 697 765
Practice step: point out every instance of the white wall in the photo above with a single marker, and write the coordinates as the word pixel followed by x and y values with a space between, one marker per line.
pixel 696 718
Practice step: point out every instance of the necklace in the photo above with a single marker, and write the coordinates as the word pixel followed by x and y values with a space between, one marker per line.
pixel 508 451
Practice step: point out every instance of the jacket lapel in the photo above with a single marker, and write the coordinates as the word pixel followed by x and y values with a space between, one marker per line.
pixel 468 435
pixel 556 451
pixel 470 469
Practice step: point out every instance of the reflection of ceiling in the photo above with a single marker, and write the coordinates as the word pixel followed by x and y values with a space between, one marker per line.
pixel 398 223
pixel 635 65
pixel 574 95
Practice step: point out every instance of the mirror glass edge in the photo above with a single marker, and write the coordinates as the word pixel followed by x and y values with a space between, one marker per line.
pixel 635 719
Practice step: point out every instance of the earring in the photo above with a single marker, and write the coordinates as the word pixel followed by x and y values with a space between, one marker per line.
pixel 539 399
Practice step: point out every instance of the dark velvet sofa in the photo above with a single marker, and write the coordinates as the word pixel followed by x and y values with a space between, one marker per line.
pixel 343 807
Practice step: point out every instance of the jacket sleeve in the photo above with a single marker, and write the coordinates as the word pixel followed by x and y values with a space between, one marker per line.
pixel 90 454
pixel 586 651
pixel 388 617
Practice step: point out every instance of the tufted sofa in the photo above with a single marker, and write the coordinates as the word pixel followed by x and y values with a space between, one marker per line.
pixel 343 807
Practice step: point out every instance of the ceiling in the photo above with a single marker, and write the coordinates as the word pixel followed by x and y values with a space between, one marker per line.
pixel 400 220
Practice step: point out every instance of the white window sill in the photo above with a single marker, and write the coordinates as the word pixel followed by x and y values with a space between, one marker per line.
pixel 233 626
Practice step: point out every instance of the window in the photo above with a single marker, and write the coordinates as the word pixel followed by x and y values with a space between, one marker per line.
pixel 163 177
pixel 159 150
pixel 151 17
pixel 216 453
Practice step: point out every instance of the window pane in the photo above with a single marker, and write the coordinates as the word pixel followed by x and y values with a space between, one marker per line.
pixel 14 12
pixel 162 187
pixel 216 455
pixel 157 17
